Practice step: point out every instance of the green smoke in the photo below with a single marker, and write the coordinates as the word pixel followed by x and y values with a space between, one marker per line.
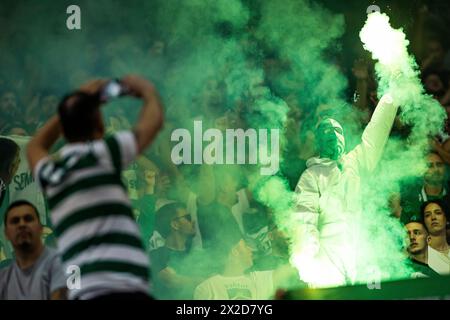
pixel 398 75
pixel 381 243
pixel 300 33
pixel 296 34
pixel 214 45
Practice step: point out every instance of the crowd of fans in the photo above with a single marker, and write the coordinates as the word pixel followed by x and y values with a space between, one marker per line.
pixel 205 234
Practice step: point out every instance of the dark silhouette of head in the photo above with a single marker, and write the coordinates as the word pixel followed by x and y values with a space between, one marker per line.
pixel 80 117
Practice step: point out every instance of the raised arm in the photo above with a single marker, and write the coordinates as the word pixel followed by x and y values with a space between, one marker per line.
pixel 376 134
pixel 39 146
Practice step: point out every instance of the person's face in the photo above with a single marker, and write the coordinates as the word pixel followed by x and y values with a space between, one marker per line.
pixel 23 228
pixel 183 222
pixel 244 254
pixel 8 103
pixel 330 139
pixel 417 238
pixel 435 219
pixel 435 173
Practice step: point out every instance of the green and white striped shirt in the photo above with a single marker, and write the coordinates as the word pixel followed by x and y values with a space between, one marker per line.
pixel 92 215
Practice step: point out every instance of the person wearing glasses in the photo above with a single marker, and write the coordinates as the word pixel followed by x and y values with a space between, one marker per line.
pixel 173 278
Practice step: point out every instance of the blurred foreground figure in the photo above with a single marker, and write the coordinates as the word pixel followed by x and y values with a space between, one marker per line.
pixel 90 209
pixel 328 199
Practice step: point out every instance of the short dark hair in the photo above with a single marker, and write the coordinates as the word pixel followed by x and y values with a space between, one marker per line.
pixel 79 113
pixel 19 203
pixel 8 152
pixel 440 203
pixel 164 216
pixel 417 221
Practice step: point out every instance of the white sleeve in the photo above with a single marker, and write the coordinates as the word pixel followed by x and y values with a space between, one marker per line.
pixel 128 147
pixel 376 134
pixel 42 171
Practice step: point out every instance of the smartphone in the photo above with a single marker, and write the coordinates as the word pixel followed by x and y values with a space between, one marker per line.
pixel 113 89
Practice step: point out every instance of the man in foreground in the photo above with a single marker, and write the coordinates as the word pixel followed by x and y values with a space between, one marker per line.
pixel 90 209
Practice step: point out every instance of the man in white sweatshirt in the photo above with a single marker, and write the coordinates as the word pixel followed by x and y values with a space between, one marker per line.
pixel 328 199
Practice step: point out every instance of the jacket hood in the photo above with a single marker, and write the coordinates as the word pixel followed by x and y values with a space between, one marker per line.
pixel 315 161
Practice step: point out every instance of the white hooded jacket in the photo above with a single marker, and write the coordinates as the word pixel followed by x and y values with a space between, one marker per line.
pixel 327 198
